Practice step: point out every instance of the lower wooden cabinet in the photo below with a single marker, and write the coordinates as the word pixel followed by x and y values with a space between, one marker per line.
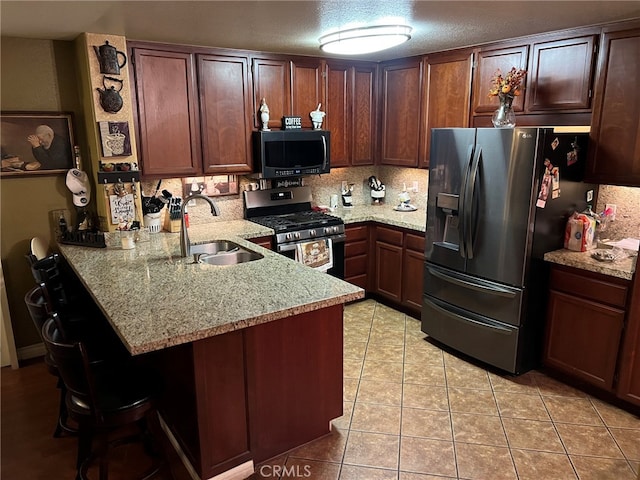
pixel 387 262
pixel 585 322
pixel 356 258
pixel 413 271
pixel 399 261
pixel 262 241
pixel 628 387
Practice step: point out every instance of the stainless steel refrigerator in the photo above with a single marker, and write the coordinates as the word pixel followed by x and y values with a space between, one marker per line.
pixel 498 199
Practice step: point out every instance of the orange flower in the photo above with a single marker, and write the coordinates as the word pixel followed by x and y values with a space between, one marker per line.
pixel 510 84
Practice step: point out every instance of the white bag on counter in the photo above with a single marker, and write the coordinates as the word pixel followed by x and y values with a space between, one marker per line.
pixel 578 235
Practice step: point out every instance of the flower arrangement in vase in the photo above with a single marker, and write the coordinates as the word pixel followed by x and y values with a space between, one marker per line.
pixel 506 88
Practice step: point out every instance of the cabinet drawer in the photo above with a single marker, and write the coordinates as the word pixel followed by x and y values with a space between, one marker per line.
pixel 394 237
pixel 414 242
pixel 356 233
pixel 597 288
pixel 355 266
pixel 352 249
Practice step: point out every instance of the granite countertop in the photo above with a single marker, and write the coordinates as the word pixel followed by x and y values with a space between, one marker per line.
pixel 154 298
pixel 622 268
pixel 383 214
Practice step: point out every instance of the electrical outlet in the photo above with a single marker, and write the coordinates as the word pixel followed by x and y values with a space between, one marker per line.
pixel 416 186
pixel 613 208
pixel 589 196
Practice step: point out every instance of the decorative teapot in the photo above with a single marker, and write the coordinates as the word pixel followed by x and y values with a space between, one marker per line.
pixel 108 58
pixel 110 98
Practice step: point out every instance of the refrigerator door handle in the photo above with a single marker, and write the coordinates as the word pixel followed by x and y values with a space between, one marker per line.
pixel 468 198
pixel 494 290
pixel 450 314
pixel 462 205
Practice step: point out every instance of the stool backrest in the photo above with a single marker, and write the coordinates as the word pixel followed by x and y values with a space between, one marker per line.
pixel 36 304
pixel 73 365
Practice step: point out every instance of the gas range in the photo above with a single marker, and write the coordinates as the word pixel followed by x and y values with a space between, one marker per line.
pixel 288 212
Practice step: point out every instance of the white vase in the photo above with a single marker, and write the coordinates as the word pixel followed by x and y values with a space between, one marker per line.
pixel 264 118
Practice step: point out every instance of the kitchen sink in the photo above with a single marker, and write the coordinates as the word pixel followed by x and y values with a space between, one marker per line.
pixel 223 253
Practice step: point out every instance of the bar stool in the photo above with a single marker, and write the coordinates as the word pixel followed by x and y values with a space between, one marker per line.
pixel 79 318
pixel 34 299
pixel 103 399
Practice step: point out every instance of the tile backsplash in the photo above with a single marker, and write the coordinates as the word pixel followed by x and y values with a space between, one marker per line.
pixel 626 199
pixel 627 202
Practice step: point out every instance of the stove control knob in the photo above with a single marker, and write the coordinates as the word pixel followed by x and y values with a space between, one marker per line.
pixel 296 235
pixel 312 232
pixel 288 236
pixel 336 229
pixel 327 230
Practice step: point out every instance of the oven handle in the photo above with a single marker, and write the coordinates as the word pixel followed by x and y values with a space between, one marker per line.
pixel 287 247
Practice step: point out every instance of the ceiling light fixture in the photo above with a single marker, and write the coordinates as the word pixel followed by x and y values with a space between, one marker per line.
pixel 357 41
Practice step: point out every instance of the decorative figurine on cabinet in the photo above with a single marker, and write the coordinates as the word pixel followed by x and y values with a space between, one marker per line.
pixel 316 118
pixel 264 115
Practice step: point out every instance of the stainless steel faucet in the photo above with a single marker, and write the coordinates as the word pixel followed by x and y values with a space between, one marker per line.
pixel 185 244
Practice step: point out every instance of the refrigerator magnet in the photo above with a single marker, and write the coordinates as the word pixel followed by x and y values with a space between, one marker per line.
pixel 572 156
pixel 555 143
pixel 545 187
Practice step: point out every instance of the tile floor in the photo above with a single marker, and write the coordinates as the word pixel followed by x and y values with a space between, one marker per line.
pixel 414 412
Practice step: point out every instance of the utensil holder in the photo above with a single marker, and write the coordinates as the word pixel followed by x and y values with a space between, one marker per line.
pixel 152 222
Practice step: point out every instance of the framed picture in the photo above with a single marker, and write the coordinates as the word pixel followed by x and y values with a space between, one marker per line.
pixel 115 138
pixel 36 143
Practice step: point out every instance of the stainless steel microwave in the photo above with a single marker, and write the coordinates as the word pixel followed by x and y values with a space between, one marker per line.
pixel 291 153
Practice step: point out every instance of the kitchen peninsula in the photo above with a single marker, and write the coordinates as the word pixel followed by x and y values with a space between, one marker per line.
pixel 250 354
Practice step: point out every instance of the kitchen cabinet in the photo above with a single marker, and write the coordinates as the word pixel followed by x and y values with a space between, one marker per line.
pixel 401 97
pixel 399 267
pixel 585 320
pixel 614 150
pixel 290 86
pixel 193 111
pixel 356 258
pixel 168 124
pixel 629 372
pixel 560 73
pixel 350 105
pixel 488 61
pixel 272 81
pixel 262 241
pixel 389 253
pixel 447 94
pixel 413 271
pixel 306 88
pixel 225 112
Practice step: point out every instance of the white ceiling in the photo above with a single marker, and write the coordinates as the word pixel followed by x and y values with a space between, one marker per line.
pixel 294 26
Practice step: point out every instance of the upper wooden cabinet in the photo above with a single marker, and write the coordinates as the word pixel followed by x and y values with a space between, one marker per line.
pixel 350 102
pixel 306 88
pixel 447 94
pixel 289 86
pixel 401 104
pixel 560 73
pixel 193 111
pixel 614 150
pixel 225 109
pixel 488 61
pixel 166 97
pixel 272 81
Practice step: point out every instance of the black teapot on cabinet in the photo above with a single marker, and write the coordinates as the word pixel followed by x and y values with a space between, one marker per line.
pixel 108 58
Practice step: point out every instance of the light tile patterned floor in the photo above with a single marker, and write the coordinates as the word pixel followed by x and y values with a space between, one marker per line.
pixel 414 412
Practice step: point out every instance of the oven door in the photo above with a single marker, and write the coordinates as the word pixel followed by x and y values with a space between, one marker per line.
pixel 289 250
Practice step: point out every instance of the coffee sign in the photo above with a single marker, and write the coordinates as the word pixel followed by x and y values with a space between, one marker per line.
pixel 291 123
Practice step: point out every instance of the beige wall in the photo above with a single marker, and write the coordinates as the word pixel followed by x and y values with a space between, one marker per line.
pixel 36 75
